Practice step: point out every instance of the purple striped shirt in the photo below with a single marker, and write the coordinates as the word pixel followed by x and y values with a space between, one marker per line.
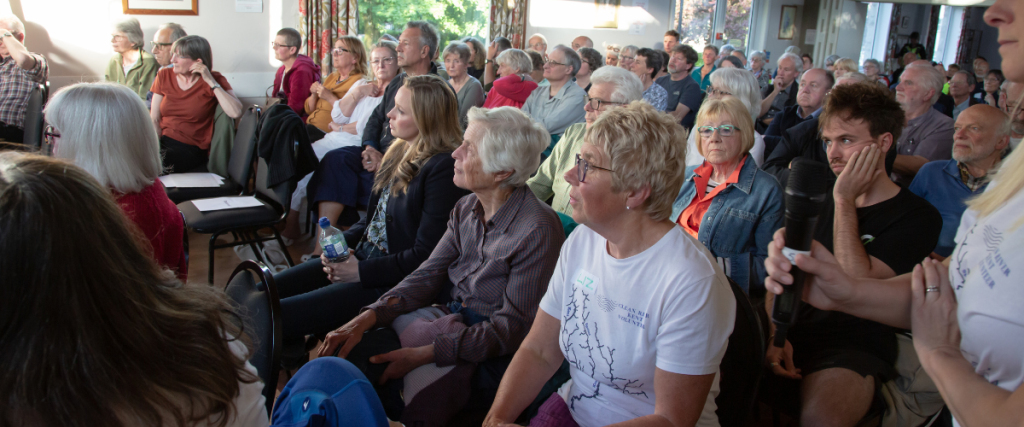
pixel 499 268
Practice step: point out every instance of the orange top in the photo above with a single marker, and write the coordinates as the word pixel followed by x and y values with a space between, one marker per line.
pixel 692 216
pixel 187 115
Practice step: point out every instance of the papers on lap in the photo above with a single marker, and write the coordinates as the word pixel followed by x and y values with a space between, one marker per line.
pixel 192 180
pixel 222 203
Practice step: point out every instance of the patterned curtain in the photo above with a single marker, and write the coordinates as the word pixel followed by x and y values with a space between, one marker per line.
pixel 508 19
pixel 322 21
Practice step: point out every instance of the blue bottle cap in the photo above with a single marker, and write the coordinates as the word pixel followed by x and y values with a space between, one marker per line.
pixel 324 222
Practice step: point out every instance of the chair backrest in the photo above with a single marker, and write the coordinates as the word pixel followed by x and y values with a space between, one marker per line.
pixel 280 194
pixel 742 366
pixel 184 236
pixel 240 163
pixel 329 391
pixel 254 294
pixel 34 118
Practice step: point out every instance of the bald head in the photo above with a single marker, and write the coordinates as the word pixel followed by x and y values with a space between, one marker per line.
pixel 980 135
pixel 582 41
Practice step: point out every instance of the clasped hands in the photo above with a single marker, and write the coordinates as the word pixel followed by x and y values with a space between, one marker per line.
pixel 402 361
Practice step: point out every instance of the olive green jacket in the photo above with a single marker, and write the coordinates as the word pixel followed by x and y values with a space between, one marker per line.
pixel 139 78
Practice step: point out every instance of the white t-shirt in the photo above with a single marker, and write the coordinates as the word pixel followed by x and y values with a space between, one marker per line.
pixel 985 271
pixel 693 157
pixel 669 306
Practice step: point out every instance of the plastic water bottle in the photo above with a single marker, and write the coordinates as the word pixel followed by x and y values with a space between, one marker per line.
pixel 332 241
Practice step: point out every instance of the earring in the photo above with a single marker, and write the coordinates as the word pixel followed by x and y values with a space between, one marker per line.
pixel 627 207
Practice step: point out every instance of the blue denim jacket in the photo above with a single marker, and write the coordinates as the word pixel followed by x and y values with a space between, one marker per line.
pixel 740 222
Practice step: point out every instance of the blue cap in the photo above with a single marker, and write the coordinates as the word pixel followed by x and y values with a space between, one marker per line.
pixel 329 391
pixel 324 222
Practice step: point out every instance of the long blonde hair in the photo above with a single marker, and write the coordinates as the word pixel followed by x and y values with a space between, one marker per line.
pixel 1008 180
pixel 436 112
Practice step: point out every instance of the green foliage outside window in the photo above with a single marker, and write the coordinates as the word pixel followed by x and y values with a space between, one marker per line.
pixel 454 19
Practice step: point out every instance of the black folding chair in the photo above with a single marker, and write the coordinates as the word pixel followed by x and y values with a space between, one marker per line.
pixel 239 165
pixel 742 366
pixel 252 290
pixel 33 124
pixel 244 223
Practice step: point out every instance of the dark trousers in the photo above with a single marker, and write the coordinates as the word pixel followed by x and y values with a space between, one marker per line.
pixel 180 157
pixel 312 305
pixel 315 134
pixel 12 133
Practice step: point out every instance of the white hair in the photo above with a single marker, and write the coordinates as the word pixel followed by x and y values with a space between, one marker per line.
pixel 512 142
pixel 794 50
pixel 629 48
pixel 106 130
pixel 13 24
pixel 177 31
pixel 517 59
pixel 798 62
pixel 741 84
pixel 627 85
pixel 757 54
pixel 851 78
pixel 133 30
pixel 931 78
pixel 540 36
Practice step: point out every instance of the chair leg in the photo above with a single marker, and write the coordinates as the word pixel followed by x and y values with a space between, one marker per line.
pixel 213 240
pixel 287 256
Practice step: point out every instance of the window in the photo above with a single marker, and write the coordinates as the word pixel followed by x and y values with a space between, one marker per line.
pixel 454 19
pixel 947 35
pixel 737 23
pixel 876 32
pixel 693 19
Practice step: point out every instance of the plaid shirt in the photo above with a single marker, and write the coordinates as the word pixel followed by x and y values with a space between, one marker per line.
pixel 500 269
pixel 16 84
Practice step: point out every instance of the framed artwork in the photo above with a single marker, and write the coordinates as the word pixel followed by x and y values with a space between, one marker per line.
pixel 607 13
pixel 787 23
pixel 160 7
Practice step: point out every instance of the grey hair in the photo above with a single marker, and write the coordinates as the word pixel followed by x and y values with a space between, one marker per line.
pixel 629 48
pixel 517 59
pixel 571 57
pixel 511 142
pixel 831 59
pixel 798 62
pixel 194 47
pixel 971 81
pixel 106 130
pixel 932 78
pixel 459 49
pixel 876 63
pixel 726 49
pixel 428 35
pixel 794 50
pixel 627 85
pixel 742 84
pixel 855 76
pixel 13 24
pixel 757 54
pixel 177 31
pixel 133 30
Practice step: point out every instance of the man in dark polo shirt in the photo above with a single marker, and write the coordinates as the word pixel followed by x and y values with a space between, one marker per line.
pixel 684 94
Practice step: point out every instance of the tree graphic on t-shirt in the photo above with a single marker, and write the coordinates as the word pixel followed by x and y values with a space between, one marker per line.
pixel 581 343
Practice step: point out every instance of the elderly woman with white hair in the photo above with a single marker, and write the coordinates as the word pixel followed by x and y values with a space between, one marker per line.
pixel 515 84
pixel 728 203
pixel 492 266
pixel 131 65
pixel 873 70
pixel 611 87
pixel 118 146
pixel 639 309
pixel 757 62
pixel 731 83
pixel 468 89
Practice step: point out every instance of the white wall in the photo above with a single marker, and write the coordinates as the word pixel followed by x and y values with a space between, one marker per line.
pixel 563 20
pixel 74 36
pixel 771 41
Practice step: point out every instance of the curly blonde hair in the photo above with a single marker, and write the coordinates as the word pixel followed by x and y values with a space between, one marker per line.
pixel 646 148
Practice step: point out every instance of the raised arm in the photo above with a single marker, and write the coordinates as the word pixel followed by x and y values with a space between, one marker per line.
pixel 854 181
pixel 18 51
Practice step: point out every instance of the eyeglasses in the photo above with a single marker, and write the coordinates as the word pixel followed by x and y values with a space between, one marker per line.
pixel 117 37
pixel 596 103
pixel 712 91
pixel 624 57
pixel 339 50
pixel 723 130
pixel 275 45
pixel 50 136
pixel 384 61
pixel 582 166
pixel 553 62
pixel 155 45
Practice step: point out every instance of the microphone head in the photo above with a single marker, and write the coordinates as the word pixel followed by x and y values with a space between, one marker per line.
pixel 807 187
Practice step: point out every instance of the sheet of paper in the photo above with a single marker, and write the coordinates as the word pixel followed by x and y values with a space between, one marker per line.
pixel 222 203
pixel 249 6
pixel 192 180
pixel 811 37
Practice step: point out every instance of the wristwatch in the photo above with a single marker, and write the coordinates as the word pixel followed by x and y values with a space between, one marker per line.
pixel 216 86
pixel 6 34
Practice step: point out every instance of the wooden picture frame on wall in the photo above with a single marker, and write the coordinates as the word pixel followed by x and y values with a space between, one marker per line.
pixel 607 13
pixel 787 23
pixel 160 7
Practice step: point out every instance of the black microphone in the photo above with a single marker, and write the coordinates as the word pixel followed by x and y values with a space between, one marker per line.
pixel 806 192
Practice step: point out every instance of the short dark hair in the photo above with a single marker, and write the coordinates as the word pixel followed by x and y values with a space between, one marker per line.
pixel 592 57
pixel 865 101
pixel 971 81
pixel 664 60
pixel 915 35
pixel 672 33
pixel 536 58
pixel 688 53
pixel 712 47
pixel 292 38
pixel 428 36
pixel 809 58
pixel 194 47
pixel 653 59
pixel 733 60
pixel 981 58
pixel 954 66
pixel 502 44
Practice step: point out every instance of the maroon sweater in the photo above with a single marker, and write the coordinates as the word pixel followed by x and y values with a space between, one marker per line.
pixel 293 87
pixel 160 222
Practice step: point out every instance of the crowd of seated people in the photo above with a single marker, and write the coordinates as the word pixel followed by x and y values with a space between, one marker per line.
pixel 530 212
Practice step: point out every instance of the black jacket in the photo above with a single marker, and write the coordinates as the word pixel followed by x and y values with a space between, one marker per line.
pixel 281 132
pixel 782 122
pixel 377 133
pixel 802 141
pixel 416 220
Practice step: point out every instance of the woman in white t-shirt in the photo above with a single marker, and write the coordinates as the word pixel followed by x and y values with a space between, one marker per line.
pixel 93 331
pixel 966 313
pixel 641 310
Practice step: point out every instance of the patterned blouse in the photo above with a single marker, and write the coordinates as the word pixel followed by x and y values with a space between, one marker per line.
pixel 377 231
pixel 657 96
